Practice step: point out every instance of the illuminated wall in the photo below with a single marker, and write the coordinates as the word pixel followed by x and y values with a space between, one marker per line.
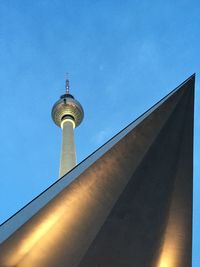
pixel 128 204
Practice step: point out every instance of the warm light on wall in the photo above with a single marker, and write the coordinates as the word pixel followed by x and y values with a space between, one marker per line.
pixel 38 233
pixel 168 257
pixel 33 236
pixel 164 263
pixel 171 254
pixel 63 207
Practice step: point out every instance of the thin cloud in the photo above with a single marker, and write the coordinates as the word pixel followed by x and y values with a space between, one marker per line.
pixel 102 136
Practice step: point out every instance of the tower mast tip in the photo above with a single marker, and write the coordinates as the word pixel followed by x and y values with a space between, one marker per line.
pixel 67 84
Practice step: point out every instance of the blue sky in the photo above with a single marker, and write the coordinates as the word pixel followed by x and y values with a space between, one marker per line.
pixel 122 56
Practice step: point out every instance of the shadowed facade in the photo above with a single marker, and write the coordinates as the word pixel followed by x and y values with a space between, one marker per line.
pixel 128 204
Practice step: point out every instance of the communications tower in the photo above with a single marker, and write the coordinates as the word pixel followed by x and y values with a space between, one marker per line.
pixel 67 113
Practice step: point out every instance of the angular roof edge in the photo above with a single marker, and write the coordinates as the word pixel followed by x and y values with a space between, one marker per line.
pixel 24 214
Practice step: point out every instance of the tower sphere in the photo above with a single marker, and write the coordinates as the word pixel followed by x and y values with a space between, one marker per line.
pixel 67 107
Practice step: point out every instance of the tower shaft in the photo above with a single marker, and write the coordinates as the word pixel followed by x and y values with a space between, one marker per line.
pixel 68 151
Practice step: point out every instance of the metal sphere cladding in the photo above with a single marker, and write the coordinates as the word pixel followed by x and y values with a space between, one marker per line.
pixel 67 106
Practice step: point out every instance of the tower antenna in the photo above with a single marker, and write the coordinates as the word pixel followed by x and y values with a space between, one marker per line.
pixel 67 84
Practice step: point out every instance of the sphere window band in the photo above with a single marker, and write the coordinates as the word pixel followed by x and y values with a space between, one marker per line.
pixel 69 107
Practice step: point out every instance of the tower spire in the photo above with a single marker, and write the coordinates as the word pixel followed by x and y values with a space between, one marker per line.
pixel 67 86
pixel 67 83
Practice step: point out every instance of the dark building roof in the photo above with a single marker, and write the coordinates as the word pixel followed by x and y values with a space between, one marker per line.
pixel 128 204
